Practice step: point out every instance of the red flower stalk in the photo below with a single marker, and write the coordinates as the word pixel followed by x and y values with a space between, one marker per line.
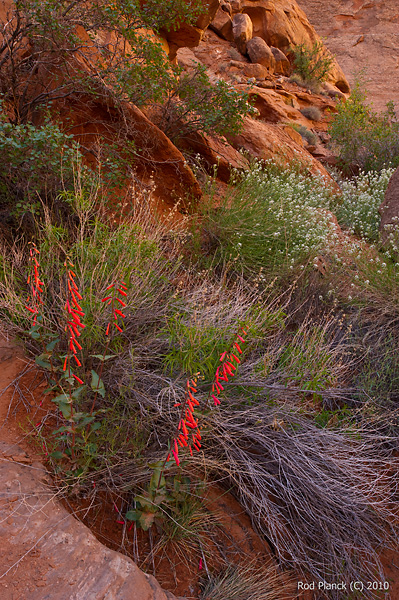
pixel 74 323
pixel 227 368
pixel 35 299
pixel 186 422
pixel 111 298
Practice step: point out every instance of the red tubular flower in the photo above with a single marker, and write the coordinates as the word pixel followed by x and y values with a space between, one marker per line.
pixel 35 299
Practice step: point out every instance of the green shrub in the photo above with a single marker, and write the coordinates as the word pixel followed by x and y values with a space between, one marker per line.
pixel 134 68
pixel 36 162
pixel 195 104
pixel 312 63
pixel 364 138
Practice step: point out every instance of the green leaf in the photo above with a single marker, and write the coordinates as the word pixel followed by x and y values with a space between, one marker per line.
pixel 133 515
pixel 76 393
pixel 42 362
pixel 103 358
pixel 57 455
pixel 97 384
pixel 62 398
pixel 66 410
pixel 50 347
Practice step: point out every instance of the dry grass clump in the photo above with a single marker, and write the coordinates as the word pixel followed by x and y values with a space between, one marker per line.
pixel 312 112
pixel 323 498
pixel 239 582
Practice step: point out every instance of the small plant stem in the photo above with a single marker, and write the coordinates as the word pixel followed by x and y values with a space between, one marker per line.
pixel 70 397
pixel 99 376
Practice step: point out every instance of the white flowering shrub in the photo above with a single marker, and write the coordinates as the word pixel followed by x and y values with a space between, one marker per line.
pixel 275 221
pixel 361 198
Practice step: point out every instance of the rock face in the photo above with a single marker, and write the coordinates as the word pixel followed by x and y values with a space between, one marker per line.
pixel 266 141
pixel 58 557
pixel 389 209
pixel 364 36
pixel 282 24
pixel 242 31
pixel 259 52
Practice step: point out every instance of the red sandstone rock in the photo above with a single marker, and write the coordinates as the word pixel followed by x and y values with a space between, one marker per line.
pixel 282 64
pixel 266 141
pixel 364 36
pixel 217 152
pixel 242 31
pixel 255 71
pixel 259 52
pixel 282 24
pixel 223 25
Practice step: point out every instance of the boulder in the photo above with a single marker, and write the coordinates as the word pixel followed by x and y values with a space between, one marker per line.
pixel 235 5
pixel 389 211
pixel 332 90
pixel 282 24
pixel 255 71
pixel 188 35
pixel 187 59
pixel 282 64
pixel 223 25
pixel 260 52
pixel 274 107
pixel 226 7
pixel 242 31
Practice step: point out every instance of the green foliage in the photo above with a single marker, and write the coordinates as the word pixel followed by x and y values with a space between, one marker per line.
pixel 173 502
pixel 195 104
pixel 378 378
pixel 36 162
pixel 314 63
pixel 307 135
pixel 273 222
pixel 364 138
pixel 307 361
pixel 133 67
pixel 194 346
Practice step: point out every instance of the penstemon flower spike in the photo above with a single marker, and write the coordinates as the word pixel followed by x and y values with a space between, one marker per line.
pixel 187 421
pixel 35 299
pixel 74 324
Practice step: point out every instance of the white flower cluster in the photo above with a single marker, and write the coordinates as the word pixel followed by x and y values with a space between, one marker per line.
pixel 361 198
pixel 282 217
